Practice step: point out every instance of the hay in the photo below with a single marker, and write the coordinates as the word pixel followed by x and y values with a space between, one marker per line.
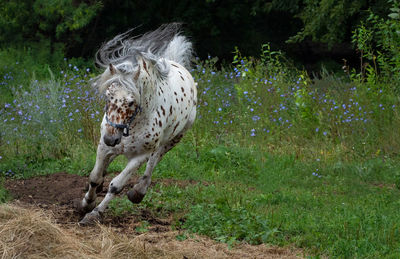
pixel 33 233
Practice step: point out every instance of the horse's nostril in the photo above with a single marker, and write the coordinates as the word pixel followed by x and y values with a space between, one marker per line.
pixel 112 140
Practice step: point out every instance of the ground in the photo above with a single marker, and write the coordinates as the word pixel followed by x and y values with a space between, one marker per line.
pixel 51 198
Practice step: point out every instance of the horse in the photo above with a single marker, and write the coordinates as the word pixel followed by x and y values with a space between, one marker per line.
pixel 151 102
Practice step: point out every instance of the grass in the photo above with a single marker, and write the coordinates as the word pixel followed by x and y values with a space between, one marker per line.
pixel 345 210
pixel 274 157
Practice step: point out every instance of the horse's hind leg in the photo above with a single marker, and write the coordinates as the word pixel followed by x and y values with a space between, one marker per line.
pixel 96 179
pixel 137 193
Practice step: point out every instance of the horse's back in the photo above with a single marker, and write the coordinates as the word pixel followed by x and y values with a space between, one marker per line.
pixel 182 95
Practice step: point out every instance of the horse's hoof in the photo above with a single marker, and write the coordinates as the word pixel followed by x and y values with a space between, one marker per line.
pixel 83 209
pixel 135 196
pixel 91 219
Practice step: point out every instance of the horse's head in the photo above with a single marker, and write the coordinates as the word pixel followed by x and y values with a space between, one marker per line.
pixel 122 105
pixel 123 85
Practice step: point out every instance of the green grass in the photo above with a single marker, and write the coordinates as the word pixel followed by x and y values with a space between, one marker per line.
pixel 350 211
pixel 274 157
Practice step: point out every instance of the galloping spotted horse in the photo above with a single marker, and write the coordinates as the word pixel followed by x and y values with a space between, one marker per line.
pixel 150 103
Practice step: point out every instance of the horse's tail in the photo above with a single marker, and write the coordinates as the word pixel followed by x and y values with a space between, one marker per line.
pixel 165 42
pixel 179 50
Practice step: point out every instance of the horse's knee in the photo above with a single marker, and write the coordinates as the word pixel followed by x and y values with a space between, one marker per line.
pixel 115 188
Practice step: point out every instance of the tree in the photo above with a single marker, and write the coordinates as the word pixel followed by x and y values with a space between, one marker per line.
pixel 34 20
pixel 331 21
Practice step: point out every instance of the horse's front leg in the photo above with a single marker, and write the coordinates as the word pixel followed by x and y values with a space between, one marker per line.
pixel 115 187
pixel 103 159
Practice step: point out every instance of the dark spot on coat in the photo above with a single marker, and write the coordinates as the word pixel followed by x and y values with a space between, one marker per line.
pixel 145 67
pixel 163 110
pixel 175 127
pixel 137 74
pixel 182 78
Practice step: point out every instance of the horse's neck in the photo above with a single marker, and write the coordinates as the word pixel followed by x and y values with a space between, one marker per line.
pixel 149 80
pixel 149 96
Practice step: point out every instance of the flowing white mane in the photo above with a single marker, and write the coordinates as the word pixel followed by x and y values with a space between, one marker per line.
pixel 165 43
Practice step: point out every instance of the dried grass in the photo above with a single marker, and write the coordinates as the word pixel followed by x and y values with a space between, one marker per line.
pixel 32 233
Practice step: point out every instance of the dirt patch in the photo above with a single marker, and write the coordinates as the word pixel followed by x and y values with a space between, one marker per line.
pixel 58 189
pixel 63 188
pixel 58 192
pixel 51 199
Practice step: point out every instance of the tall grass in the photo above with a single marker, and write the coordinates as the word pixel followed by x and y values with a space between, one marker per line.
pixel 262 102
pixel 266 104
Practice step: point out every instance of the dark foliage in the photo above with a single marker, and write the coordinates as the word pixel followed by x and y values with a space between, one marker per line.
pixel 80 26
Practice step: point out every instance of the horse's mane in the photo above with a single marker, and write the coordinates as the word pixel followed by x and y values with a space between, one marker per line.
pixel 165 42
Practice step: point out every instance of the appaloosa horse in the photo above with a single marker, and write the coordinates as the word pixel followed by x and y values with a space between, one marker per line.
pixel 150 103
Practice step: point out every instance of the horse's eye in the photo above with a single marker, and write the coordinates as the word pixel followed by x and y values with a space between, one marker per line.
pixel 130 104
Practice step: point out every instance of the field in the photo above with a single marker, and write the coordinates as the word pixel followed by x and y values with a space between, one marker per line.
pixel 277 164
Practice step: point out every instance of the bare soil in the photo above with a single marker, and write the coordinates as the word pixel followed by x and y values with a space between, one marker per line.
pixel 56 194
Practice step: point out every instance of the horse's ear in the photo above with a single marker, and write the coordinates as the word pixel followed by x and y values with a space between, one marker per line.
pixel 113 70
pixel 151 65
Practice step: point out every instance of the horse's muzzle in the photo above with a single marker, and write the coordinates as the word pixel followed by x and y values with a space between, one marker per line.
pixel 112 140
